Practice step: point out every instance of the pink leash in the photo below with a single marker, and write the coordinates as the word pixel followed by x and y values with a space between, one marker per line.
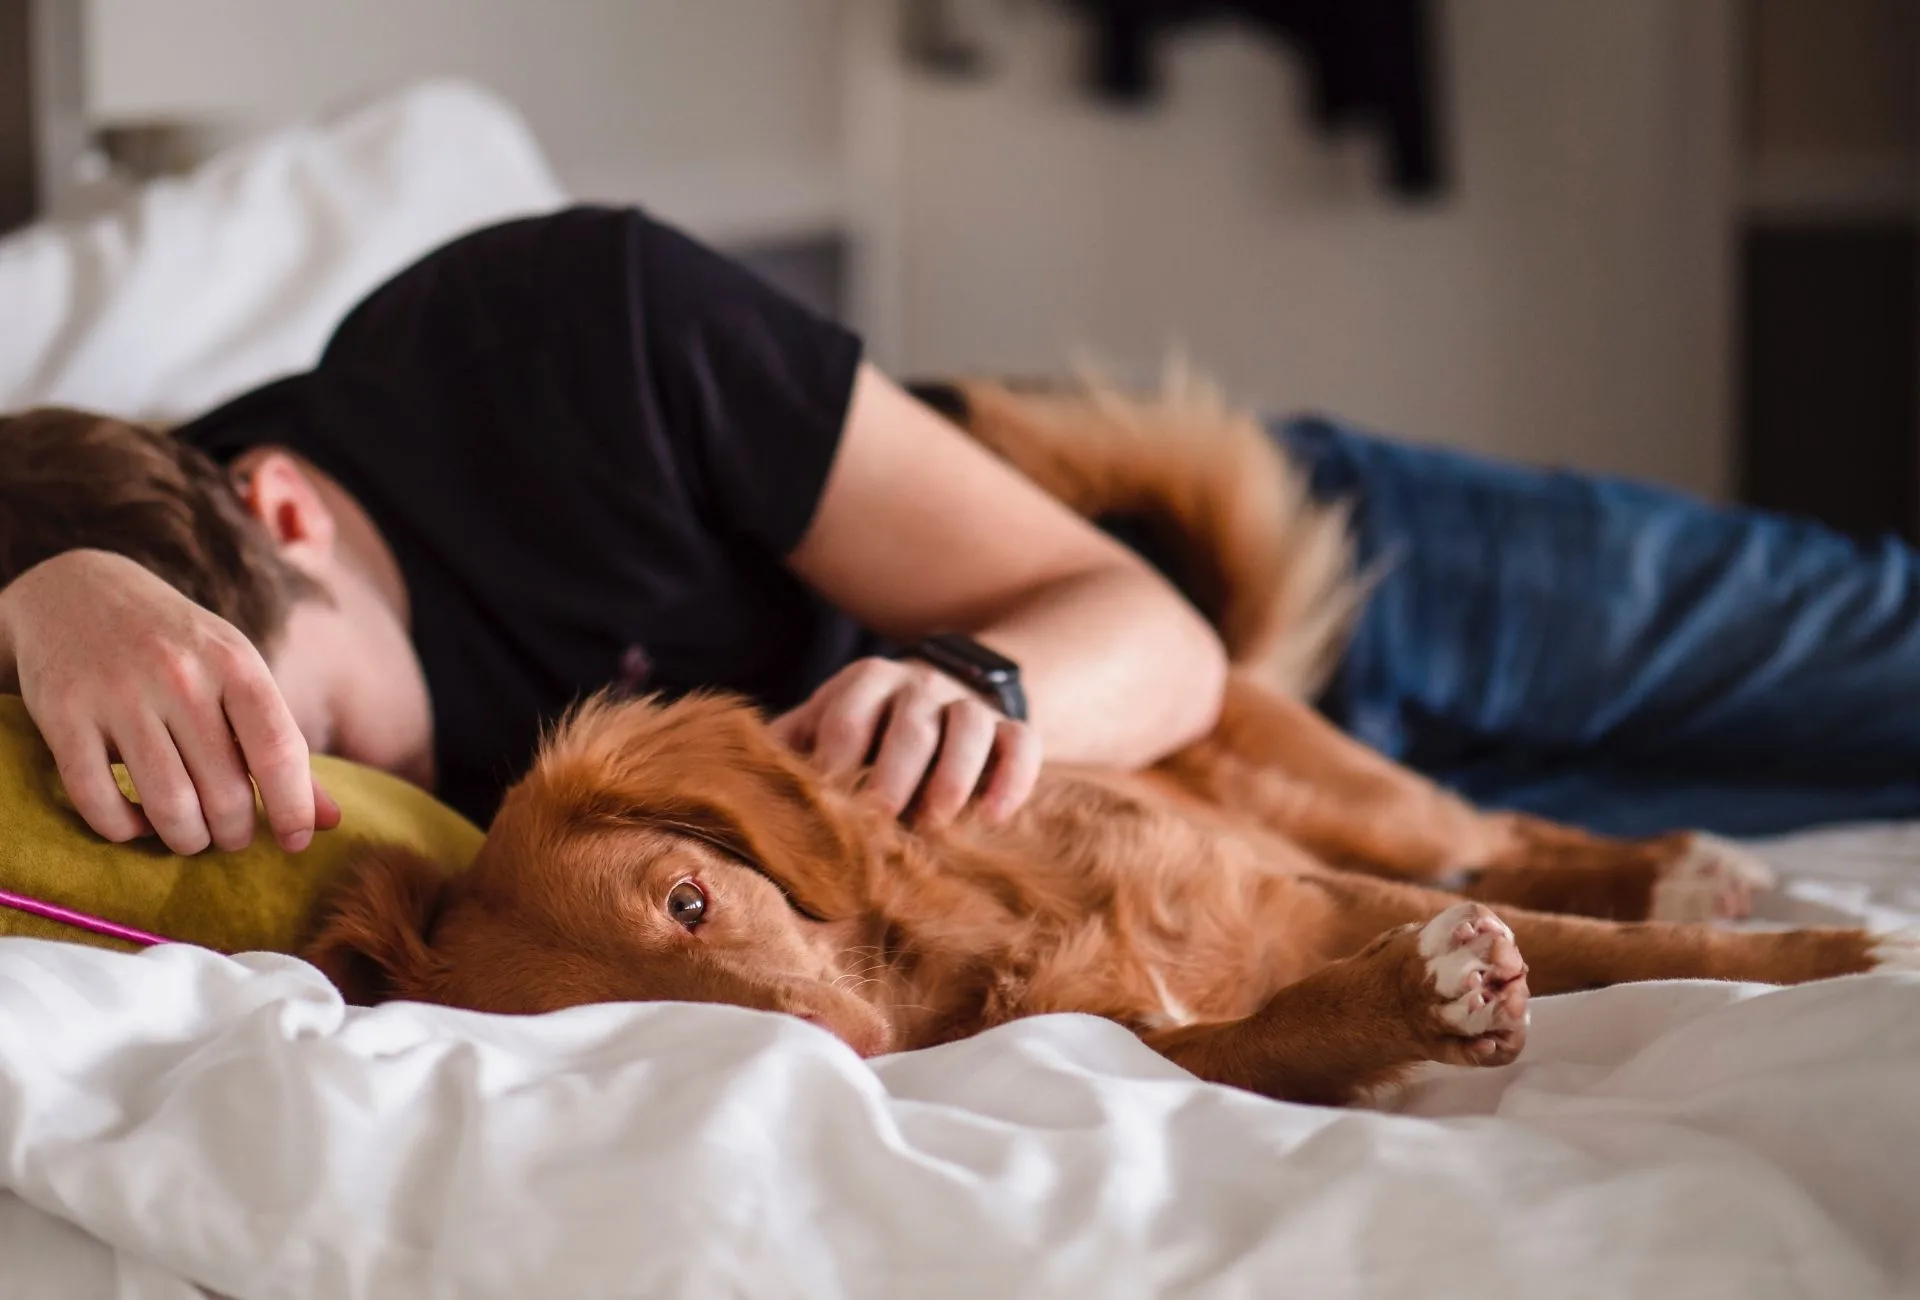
pixel 80 920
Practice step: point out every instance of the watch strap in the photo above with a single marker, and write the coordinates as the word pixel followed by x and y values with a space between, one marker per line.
pixel 987 673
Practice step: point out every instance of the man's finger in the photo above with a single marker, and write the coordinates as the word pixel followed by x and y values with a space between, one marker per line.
pixel 966 745
pixel 795 727
pixel 276 755
pixel 80 754
pixel 850 718
pixel 908 743
pixel 326 813
pixel 213 763
pixel 167 793
pixel 1016 769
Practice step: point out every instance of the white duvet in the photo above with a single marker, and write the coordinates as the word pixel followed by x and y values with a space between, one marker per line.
pixel 179 1120
pixel 195 289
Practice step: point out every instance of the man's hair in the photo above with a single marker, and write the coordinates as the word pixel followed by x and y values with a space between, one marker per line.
pixel 72 480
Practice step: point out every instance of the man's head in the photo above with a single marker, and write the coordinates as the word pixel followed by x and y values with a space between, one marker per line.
pixel 270 545
pixel 70 480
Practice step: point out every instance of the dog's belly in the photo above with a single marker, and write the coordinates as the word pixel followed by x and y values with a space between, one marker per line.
pixel 1139 910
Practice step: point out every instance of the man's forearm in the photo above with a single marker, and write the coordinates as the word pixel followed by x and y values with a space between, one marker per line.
pixel 1119 671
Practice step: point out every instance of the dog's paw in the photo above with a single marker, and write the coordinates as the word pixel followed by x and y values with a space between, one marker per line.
pixel 1478 984
pixel 1898 950
pixel 1712 881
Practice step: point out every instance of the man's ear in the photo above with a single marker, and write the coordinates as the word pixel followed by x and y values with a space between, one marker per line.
pixel 372 930
pixel 277 491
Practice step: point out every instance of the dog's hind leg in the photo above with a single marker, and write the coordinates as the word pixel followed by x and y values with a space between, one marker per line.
pixel 1454 987
pixel 1567 953
pixel 1280 763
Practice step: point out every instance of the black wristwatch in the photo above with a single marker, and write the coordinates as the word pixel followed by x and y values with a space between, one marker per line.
pixel 961 657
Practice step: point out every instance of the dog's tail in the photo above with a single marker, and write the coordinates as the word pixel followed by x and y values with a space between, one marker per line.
pixel 1204 492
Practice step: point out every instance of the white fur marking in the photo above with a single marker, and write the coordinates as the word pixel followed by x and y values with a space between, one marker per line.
pixel 1698 886
pixel 1175 1013
pixel 1459 973
pixel 1384 1095
pixel 1899 950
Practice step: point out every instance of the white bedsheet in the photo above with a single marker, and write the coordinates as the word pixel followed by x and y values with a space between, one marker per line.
pixel 178 1119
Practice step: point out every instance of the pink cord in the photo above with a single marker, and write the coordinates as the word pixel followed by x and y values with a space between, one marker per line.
pixel 51 912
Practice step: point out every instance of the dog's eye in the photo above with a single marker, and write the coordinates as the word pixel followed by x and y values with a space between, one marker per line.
pixel 687 903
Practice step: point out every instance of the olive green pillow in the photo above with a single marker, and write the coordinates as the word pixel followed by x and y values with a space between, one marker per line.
pixel 259 899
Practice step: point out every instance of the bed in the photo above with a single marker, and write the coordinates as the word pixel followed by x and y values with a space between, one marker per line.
pixel 179 1123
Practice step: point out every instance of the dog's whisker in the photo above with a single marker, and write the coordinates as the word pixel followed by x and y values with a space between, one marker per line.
pixel 851 982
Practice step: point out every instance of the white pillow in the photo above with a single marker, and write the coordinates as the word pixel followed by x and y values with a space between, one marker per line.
pixel 196 289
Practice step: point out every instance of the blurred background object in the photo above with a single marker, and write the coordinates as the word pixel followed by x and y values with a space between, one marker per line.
pixel 1830 336
pixel 1666 237
pixel 167 146
pixel 1365 63
pixel 43 125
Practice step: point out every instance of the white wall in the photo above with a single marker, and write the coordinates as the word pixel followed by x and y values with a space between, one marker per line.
pixel 1569 304
pixel 712 109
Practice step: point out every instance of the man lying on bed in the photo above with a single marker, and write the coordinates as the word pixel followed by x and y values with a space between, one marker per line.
pixel 581 450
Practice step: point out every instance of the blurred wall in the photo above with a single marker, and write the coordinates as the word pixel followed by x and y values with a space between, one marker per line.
pixel 726 108
pixel 1569 303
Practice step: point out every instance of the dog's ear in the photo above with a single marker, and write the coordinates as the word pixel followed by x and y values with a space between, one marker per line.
pixel 774 819
pixel 710 767
pixel 372 931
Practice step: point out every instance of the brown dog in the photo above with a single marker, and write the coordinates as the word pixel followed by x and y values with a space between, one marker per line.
pixel 1259 908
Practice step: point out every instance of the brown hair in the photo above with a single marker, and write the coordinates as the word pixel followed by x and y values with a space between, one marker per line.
pixel 72 480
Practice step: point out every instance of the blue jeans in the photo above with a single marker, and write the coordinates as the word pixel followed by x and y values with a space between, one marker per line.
pixel 1617 656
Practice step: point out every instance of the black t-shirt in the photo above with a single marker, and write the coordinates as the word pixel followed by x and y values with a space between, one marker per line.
pixel 591 443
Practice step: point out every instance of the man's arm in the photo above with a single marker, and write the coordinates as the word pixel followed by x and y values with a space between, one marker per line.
pixel 921 530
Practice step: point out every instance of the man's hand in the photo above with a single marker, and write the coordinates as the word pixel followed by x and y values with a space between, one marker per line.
pixel 925 733
pixel 113 663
